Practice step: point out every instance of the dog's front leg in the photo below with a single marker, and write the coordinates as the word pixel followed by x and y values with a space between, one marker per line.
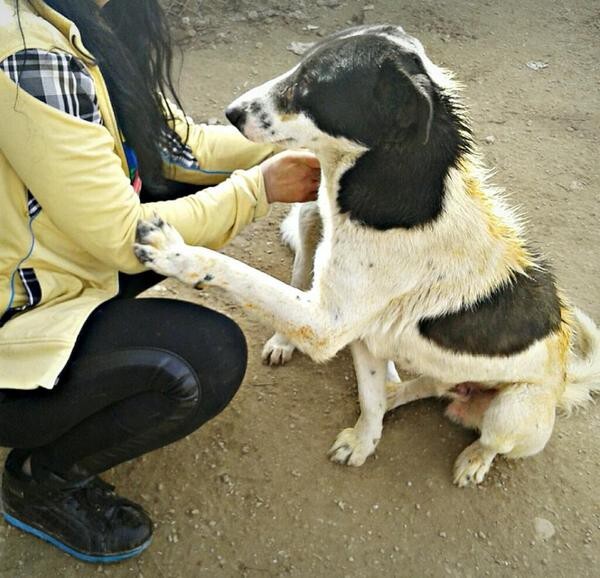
pixel 278 350
pixel 354 445
pixel 296 314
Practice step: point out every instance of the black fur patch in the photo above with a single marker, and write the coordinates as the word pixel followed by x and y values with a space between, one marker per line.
pixel 375 92
pixel 508 321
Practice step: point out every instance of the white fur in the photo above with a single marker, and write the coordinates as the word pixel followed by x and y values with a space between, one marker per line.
pixel 290 229
pixel 584 365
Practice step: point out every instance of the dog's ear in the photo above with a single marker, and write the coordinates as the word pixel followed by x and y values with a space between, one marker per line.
pixel 407 96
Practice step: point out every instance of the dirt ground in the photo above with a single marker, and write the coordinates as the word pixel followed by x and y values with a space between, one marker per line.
pixel 252 494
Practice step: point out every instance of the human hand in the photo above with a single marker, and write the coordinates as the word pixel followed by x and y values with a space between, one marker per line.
pixel 291 177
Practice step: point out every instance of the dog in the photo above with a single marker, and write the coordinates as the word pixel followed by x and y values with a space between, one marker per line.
pixel 409 256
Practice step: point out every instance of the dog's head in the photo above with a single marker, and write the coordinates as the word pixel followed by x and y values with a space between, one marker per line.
pixel 365 84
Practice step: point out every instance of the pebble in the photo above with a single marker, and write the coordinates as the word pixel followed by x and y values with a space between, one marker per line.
pixel 575 185
pixel 490 139
pixel 299 48
pixel 537 65
pixel 544 529
pixel 329 3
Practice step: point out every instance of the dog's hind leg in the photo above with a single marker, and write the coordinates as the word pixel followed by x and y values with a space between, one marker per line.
pixel 302 231
pixel 354 445
pixel 398 394
pixel 518 423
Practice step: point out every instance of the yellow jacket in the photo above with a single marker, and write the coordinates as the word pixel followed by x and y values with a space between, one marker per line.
pixel 77 172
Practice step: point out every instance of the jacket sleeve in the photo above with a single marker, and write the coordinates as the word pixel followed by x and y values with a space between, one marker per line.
pixel 71 167
pixel 210 153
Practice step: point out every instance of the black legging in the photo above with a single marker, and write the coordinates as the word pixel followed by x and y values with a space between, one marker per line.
pixel 144 373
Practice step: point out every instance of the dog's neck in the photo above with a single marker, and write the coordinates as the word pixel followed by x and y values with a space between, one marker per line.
pixel 337 157
pixel 400 182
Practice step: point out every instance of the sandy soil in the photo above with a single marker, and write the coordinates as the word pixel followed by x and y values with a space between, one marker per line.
pixel 252 494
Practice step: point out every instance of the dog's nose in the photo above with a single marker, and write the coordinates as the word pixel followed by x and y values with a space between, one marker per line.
pixel 236 116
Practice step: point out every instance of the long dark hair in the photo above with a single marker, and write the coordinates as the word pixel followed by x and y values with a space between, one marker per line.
pixel 131 43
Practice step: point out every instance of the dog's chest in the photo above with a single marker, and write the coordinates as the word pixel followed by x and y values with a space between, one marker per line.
pixel 383 285
pixel 352 268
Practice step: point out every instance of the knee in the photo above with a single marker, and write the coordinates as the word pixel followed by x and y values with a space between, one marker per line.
pixel 206 373
pixel 180 382
pixel 228 352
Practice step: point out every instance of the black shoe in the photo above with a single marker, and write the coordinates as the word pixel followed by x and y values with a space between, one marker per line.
pixel 85 519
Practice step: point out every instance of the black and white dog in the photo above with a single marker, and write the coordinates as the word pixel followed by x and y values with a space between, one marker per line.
pixel 408 255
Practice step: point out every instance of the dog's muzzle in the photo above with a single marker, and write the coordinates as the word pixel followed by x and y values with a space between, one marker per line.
pixel 236 116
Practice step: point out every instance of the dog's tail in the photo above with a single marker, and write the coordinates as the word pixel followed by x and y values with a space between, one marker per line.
pixel 290 228
pixel 583 367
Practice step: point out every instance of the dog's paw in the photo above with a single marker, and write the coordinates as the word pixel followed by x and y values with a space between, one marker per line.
pixel 352 449
pixel 161 248
pixel 158 245
pixel 277 351
pixel 472 465
pixel 157 233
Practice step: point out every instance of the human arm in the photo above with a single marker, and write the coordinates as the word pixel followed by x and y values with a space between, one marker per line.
pixel 72 168
pixel 202 154
pixel 210 152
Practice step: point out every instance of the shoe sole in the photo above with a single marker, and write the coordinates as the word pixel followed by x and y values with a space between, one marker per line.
pixel 96 559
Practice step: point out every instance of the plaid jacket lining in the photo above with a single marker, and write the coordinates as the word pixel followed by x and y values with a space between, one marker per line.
pixel 26 274
pixel 57 79
pixel 175 152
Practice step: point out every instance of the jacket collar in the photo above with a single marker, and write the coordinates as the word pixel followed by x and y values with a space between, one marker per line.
pixel 64 26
